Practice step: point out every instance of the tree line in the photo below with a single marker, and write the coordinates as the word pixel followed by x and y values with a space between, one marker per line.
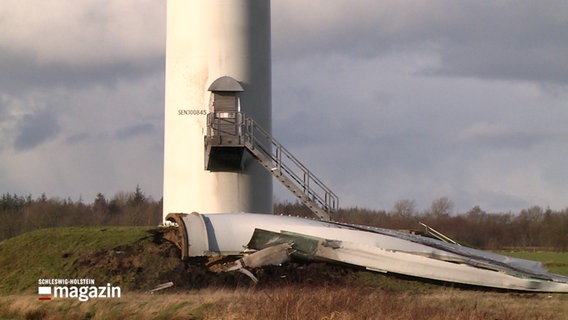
pixel 534 227
pixel 19 214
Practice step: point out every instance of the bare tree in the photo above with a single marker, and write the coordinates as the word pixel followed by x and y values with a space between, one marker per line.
pixel 442 207
pixel 404 208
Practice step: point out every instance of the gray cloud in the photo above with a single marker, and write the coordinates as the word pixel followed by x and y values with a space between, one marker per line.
pixel 510 40
pixel 377 131
pixel 20 72
pixel 78 138
pixel 518 40
pixel 80 44
pixel 35 129
pixel 500 136
pixel 84 32
pixel 135 130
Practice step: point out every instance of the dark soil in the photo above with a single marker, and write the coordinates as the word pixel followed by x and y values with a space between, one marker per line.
pixel 151 261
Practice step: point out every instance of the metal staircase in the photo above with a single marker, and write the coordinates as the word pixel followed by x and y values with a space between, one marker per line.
pixel 230 133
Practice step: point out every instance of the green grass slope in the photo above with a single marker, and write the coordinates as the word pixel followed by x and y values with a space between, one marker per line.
pixel 125 256
pixel 554 262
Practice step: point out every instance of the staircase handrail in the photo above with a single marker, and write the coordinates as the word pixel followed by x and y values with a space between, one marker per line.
pixel 258 138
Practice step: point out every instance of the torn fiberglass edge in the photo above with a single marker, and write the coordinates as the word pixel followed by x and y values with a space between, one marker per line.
pixel 373 248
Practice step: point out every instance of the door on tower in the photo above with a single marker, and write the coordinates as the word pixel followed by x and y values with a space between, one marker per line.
pixel 224 143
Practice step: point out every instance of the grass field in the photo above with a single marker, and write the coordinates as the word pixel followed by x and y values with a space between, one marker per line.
pixel 56 253
pixel 555 262
pixel 135 260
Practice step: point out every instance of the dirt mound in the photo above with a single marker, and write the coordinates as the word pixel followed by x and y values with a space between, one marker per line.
pixel 139 265
pixel 150 261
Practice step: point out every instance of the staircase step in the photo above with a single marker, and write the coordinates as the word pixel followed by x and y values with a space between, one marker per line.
pixel 287 173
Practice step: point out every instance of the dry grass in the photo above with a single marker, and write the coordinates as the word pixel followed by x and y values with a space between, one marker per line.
pixel 368 303
pixel 296 302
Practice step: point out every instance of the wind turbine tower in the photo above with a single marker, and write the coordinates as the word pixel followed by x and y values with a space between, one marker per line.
pixel 217 67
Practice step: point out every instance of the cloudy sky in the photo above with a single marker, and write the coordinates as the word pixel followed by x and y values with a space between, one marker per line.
pixel 383 100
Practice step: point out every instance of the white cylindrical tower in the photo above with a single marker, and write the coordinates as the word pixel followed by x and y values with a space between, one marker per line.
pixel 209 40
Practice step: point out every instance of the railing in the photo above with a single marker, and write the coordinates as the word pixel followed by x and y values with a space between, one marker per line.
pixel 258 140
